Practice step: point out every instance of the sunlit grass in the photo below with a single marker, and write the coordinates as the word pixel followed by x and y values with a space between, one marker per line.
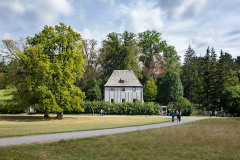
pixel 32 125
pixel 205 139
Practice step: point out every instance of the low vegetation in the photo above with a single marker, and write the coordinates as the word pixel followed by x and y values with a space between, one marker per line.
pixel 206 139
pixel 32 125
pixel 122 108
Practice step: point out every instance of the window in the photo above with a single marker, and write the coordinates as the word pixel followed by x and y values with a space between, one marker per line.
pixel 112 100
pixel 123 89
pixel 134 100
pixel 134 89
pixel 112 89
pixel 123 100
pixel 121 81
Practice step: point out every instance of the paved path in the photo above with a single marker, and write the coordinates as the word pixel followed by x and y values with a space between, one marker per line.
pixel 72 135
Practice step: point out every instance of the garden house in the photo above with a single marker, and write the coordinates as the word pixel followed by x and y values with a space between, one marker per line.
pixel 123 86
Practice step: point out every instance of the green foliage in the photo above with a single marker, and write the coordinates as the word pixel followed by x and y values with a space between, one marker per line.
pixel 121 108
pixel 150 91
pixel 118 52
pixel 185 106
pixel 152 45
pixel 231 99
pixel 49 66
pixel 95 94
pixel 170 88
pixel 189 73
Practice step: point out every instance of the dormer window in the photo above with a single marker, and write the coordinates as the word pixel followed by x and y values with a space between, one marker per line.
pixel 121 81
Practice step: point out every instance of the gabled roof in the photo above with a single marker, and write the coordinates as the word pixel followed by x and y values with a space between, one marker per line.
pixel 123 78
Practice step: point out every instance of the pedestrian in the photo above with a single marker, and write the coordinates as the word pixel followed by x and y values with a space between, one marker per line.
pixel 210 114
pixel 168 112
pixel 101 112
pixel 215 113
pixel 173 114
pixel 178 116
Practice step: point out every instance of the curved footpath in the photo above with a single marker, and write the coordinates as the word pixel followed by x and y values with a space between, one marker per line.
pixel 82 134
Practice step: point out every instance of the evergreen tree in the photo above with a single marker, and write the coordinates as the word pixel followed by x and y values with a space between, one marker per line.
pixel 189 73
pixel 225 75
pixel 213 78
pixel 206 75
pixel 170 88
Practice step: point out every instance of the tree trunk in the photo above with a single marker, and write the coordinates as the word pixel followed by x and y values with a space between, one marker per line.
pixel 60 115
pixel 46 114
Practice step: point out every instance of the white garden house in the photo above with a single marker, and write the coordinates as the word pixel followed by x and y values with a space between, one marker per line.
pixel 123 86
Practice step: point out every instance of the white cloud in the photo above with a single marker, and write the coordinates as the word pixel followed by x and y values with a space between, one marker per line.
pixel 178 9
pixel 37 11
pixel 94 34
pixel 140 16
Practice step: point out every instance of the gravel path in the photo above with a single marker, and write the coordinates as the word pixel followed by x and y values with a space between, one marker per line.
pixel 72 135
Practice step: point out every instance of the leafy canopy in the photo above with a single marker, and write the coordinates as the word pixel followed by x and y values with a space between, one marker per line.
pixel 49 66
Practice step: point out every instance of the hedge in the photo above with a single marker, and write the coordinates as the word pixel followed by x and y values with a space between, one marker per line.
pixel 125 108
pixel 8 107
pixel 121 108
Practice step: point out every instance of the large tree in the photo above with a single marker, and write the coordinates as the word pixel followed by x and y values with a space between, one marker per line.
pixel 152 45
pixel 206 75
pixel 118 52
pixel 189 73
pixel 49 66
pixel 170 88
pixel 225 74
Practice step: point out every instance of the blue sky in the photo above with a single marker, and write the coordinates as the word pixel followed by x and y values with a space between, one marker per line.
pixel 200 23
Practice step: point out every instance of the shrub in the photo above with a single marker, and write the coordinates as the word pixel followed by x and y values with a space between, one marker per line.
pixel 183 105
pixel 125 108
pixel 9 107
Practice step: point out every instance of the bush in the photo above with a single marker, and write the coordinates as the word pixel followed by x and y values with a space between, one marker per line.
pixel 183 105
pixel 231 100
pixel 9 107
pixel 125 108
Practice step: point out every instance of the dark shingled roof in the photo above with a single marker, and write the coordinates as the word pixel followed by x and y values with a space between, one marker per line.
pixel 121 78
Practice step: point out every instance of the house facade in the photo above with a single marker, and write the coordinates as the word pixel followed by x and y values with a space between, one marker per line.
pixel 123 86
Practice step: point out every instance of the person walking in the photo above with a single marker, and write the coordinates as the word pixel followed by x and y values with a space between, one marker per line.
pixel 173 114
pixel 168 112
pixel 178 116
pixel 215 113
pixel 210 114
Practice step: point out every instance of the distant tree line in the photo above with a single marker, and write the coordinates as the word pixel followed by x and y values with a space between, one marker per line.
pixel 58 69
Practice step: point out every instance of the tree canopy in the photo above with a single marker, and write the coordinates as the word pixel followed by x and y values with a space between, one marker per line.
pixel 49 66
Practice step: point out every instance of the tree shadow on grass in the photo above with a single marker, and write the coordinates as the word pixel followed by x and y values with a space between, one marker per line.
pixel 26 118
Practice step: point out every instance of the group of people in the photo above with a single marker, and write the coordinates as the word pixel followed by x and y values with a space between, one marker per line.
pixel 178 114
pixel 210 113
pixel 102 112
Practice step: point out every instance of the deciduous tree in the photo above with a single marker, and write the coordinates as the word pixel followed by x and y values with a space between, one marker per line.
pixel 49 66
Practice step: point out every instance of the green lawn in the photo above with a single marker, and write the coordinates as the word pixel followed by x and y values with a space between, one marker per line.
pixel 205 139
pixel 31 125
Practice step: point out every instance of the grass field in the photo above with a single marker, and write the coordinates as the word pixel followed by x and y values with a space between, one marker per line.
pixel 205 139
pixel 30 125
